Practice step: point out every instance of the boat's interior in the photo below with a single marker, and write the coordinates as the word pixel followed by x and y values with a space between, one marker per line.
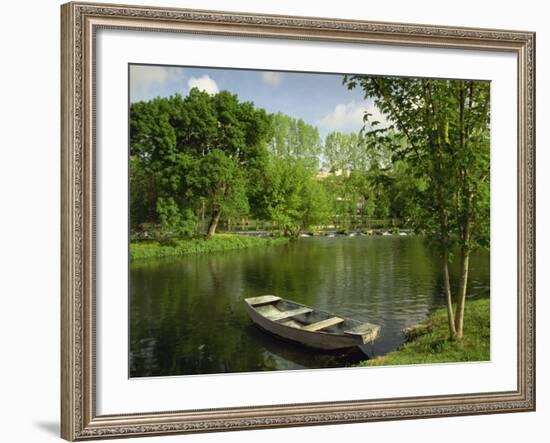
pixel 299 316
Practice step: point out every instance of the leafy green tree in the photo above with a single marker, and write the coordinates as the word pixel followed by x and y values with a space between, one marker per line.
pixel 295 138
pixel 406 190
pixel 143 195
pixel 295 200
pixel 316 206
pixel 220 181
pixel 446 127
pixel 152 142
pixel 345 152
pixel 201 152
pixel 174 221
pixel 362 168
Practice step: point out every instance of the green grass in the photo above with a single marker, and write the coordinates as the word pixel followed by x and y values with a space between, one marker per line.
pixel 435 347
pixel 143 249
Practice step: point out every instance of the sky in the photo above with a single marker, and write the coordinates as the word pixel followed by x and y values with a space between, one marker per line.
pixel 319 99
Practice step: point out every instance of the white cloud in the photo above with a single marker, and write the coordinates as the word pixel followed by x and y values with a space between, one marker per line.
pixel 272 78
pixel 204 83
pixel 146 80
pixel 349 117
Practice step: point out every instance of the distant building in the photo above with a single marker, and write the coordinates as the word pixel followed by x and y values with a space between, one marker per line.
pixel 336 173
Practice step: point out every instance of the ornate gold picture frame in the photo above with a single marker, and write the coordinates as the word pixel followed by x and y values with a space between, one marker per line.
pixel 80 23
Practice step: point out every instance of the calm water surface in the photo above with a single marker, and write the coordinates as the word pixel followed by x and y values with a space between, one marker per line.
pixel 187 315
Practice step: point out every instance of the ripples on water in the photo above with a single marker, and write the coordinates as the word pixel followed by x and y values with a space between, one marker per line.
pixel 187 314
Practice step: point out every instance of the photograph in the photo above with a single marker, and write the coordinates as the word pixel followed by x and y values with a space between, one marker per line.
pixel 285 220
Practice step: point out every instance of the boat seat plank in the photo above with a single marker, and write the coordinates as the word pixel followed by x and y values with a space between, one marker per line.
pixel 287 314
pixel 323 324
pixel 262 300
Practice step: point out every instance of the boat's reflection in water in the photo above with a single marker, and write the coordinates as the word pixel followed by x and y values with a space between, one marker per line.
pixel 285 355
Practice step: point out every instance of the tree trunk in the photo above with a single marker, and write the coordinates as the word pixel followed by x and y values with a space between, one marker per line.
pixel 213 223
pixel 448 295
pixel 464 268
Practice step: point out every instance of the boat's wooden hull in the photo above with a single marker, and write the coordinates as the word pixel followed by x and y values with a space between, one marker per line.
pixel 317 340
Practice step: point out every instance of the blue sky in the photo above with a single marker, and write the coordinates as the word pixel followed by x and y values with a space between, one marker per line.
pixel 318 99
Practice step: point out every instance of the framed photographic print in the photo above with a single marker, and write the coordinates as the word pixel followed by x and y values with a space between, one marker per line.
pixel 282 221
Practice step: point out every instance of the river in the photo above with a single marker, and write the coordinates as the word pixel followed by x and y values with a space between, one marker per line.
pixel 187 314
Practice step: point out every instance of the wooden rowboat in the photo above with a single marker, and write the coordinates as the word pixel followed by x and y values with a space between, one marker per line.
pixel 310 327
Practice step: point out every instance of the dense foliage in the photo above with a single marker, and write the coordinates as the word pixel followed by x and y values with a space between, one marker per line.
pixel 444 126
pixel 201 159
pixel 194 157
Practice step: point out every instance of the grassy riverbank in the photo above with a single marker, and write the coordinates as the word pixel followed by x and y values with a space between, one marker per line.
pixel 142 249
pixel 435 347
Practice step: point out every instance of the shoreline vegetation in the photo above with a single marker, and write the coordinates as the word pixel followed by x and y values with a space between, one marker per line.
pixel 144 249
pixel 155 247
pixel 429 341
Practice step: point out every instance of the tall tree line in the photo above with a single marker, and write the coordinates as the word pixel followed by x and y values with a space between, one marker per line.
pixel 198 159
pixel 211 156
